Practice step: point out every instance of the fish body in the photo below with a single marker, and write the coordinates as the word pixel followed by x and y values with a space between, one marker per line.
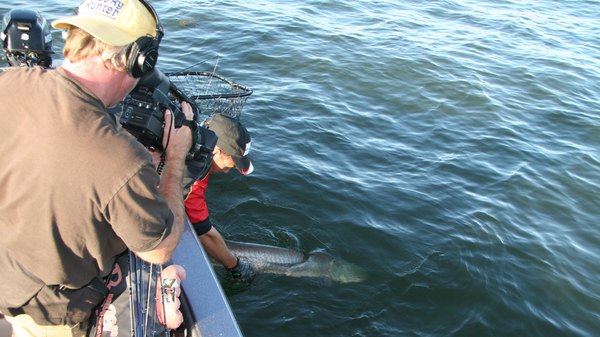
pixel 289 262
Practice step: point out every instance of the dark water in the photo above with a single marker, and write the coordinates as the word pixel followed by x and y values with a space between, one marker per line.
pixel 451 148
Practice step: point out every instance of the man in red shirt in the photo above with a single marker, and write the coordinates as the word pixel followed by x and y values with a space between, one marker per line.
pixel 231 151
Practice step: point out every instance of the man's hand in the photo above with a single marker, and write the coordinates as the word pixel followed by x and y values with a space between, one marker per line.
pixel 167 296
pixel 242 272
pixel 177 141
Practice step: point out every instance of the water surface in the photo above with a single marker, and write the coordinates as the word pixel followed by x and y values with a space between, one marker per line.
pixel 448 147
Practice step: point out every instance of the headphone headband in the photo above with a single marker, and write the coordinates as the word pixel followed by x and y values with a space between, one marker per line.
pixel 159 28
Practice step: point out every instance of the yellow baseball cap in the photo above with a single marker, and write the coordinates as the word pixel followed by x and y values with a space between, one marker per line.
pixel 116 22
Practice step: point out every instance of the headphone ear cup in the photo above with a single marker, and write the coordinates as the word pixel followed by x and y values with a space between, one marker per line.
pixel 132 55
pixel 142 56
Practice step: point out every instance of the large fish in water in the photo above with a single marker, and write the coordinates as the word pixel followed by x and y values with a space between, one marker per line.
pixel 283 261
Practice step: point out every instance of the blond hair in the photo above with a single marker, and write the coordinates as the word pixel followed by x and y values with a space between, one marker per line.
pixel 80 45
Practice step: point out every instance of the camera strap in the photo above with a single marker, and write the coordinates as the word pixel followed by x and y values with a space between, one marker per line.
pixel 190 124
pixel 161 165
pixel 193 126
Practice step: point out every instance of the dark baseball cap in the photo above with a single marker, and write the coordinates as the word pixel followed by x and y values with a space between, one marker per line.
pixel 234 139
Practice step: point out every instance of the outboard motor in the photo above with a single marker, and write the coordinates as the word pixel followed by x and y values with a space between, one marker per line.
pixel 26 39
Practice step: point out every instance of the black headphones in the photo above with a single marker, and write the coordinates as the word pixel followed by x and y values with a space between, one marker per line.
pixel 143 52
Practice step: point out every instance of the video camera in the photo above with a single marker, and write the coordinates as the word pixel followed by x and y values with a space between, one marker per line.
pixel 143 116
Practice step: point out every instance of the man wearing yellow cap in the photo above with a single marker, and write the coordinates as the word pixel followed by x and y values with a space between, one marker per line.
pixel 77 189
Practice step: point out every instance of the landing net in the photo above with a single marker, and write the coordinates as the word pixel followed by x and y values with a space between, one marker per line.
pixel 211 92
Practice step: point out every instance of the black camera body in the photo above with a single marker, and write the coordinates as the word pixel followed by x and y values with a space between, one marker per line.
pixel 143 116
pixel 143 110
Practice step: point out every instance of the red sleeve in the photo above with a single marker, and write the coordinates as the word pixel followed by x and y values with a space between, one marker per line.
pixel 195 202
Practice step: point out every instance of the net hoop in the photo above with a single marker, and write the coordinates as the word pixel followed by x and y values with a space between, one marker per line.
pixel 211 92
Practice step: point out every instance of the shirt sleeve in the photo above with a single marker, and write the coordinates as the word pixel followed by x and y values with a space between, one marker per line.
pixel 139 214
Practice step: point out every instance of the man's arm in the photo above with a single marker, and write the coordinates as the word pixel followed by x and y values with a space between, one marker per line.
pixel 215 246
pixel 171 185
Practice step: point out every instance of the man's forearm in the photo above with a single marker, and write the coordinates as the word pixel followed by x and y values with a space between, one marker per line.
pixel 177 143
pixel 171 186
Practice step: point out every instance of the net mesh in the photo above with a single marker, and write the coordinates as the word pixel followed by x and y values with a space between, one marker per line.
pixel 211 92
